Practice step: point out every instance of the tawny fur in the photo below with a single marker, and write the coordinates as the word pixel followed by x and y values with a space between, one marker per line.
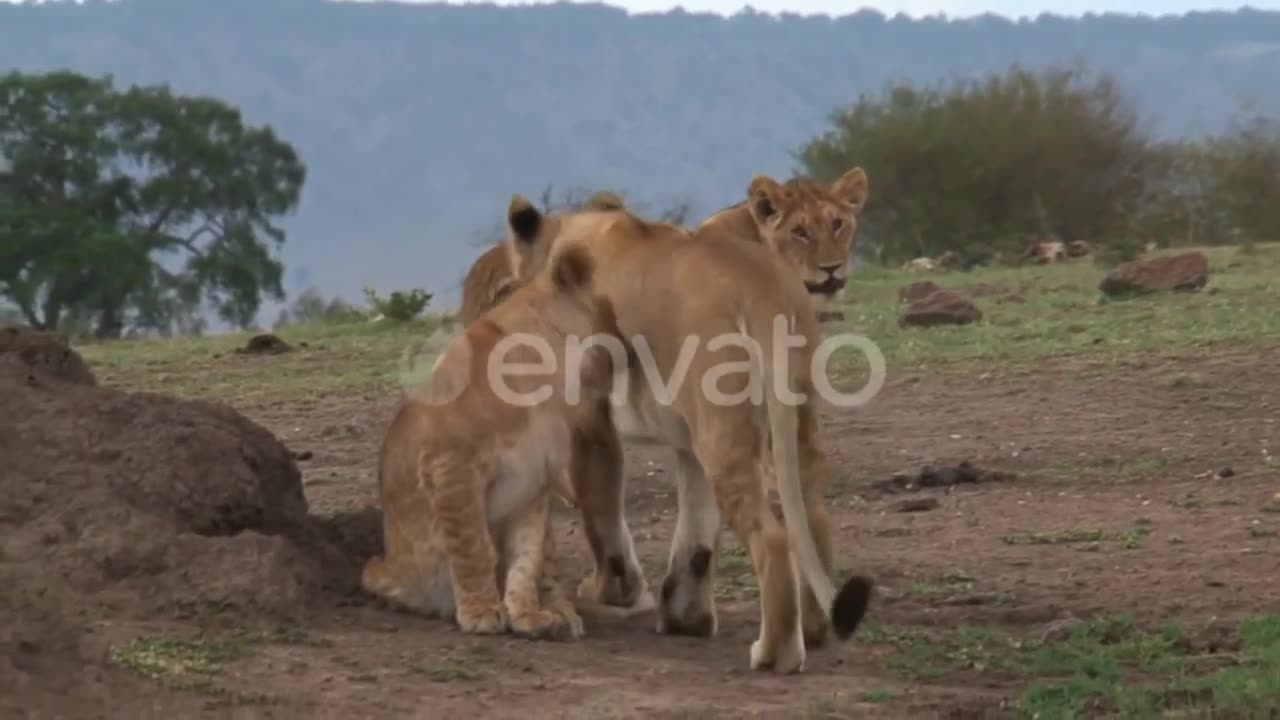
pixel 666 287
pixel 465 475
pixel 489 279
pixel 812 226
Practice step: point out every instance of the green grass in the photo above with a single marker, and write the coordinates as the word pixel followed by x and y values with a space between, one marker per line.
pixel 1131 538
pixel 1062 315
pixel 1105 666
pixel 178 663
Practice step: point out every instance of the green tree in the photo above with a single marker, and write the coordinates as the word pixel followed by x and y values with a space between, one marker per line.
pixel 136 207
pixel 983 163
pixel 310 307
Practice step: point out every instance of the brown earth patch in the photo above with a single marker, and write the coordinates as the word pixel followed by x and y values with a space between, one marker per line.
pixel 1120 505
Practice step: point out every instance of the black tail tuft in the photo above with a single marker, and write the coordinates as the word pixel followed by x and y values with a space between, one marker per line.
pixel 850 605
pixel 571 269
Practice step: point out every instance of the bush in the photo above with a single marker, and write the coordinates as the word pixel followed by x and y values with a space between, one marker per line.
pixel 401 306
pixel 986 162
pixel 977 166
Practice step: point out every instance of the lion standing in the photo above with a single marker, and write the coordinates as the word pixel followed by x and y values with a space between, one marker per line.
pixel 728 407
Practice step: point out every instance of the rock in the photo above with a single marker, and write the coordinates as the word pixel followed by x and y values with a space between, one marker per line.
pixel 1045 249
pixel 1079 248
pixel 917 291
pixel 911 505
pixel 941 307
pixel 942 476
pixel 1187 271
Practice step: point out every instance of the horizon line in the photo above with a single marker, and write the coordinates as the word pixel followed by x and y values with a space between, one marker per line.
pixel 748 10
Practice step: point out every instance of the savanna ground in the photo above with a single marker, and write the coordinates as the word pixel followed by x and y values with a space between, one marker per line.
pixel 1129 568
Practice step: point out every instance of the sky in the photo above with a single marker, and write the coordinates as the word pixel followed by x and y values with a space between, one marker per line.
pixel 921 8
pixel 952 8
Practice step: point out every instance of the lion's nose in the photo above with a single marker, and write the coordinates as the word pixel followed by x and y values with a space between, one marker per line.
pixel 830 268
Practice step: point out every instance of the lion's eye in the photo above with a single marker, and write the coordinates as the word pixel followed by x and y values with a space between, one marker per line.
pixel 800 233
pixel 836 225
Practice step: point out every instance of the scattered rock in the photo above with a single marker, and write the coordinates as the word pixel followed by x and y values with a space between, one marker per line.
pixel 917 291
pixel 1226 472
pixel 303 455
pixel 1187 271
pixel 1045 249
pixel 1079 249
pixel 920 264
pixel 942 476
pixel 265 344
pixel 912 505
pixel 941 307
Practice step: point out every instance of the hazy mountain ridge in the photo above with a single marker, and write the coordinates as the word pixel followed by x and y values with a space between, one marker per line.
pixel 417 122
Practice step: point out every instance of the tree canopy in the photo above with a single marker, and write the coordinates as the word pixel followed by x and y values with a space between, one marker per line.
pixel 981 166
pixel 132 209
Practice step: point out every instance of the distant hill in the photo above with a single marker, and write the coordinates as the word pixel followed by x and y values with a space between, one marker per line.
pixel 418 121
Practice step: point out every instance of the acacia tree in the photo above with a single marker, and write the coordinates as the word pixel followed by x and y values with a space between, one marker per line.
pixel 134 208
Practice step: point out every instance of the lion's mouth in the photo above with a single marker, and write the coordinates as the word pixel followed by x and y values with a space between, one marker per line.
pixel 830 286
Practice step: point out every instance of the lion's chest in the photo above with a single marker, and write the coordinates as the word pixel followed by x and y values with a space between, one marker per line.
pixel 523 471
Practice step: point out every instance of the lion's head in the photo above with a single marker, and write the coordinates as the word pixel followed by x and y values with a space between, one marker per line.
pixel 811 225
pixel 490 278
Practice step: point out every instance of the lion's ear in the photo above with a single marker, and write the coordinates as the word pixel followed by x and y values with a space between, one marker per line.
pixel 764 198
pixel 852 188
pixel 523 219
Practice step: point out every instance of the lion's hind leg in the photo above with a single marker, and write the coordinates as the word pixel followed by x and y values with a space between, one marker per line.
pixel 411 573
pixel 529 578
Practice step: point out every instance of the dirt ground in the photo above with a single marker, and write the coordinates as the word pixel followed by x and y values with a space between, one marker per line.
pixel 1139 488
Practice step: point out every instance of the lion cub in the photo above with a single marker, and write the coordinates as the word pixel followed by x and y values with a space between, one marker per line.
pixel 469 463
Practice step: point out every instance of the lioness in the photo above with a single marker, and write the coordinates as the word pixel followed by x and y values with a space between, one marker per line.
pixel 696 308
pixel 812 225
pixel 489 278
pixel 467 464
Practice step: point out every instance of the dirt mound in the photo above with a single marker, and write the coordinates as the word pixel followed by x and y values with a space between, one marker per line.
pixel 42 353
pixel 123 505
pixel 266 344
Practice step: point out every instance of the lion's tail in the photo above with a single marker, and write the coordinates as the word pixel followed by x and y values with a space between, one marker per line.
pixel 847 607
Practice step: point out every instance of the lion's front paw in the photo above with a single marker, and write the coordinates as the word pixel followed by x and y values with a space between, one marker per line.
pixel 487 620
pixel 548 625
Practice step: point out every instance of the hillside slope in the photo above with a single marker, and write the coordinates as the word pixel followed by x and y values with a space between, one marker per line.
pixel 418 121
